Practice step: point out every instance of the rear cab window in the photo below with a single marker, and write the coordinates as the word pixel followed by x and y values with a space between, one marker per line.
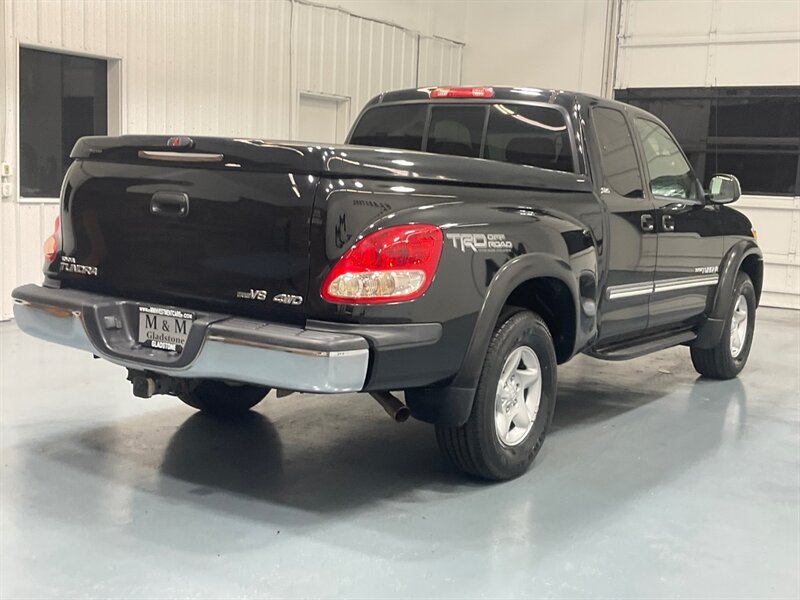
pixel 529 135
pixel 521 134
pixel 456 130
pixel 400 126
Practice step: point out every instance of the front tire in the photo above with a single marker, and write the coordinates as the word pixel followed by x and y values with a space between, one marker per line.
pixel 727 358
pixel 223 399
pixel 513 404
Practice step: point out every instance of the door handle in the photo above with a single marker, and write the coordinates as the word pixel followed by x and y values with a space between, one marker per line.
pixel 668 223
pixel 648 223
pixel 169 204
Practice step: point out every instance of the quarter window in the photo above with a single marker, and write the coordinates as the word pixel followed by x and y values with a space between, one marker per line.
pixel 670 174
pixel 620 165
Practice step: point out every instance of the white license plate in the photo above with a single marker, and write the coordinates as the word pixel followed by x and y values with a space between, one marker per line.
pixel 164 328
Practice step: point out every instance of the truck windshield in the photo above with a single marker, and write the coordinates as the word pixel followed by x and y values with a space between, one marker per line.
pixel 516 133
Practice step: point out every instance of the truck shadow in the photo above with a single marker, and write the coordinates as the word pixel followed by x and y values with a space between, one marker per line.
pixel 332 459
pixel 315 458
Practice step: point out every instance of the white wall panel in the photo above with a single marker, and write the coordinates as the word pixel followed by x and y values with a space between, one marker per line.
pixel 777 221
pixel 699 43
pixel 695 43
pixel 442 18
pixel 343 55
pixel 8 271
pixel 439 61
pixel 228 68
pixel 545 43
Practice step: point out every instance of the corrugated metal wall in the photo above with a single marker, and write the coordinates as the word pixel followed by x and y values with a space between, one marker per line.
pixel 233 68
pixel 349 57
pixel 665 43
pixel 439 62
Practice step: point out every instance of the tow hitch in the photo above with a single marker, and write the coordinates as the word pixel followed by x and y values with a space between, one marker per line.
pixel 147 385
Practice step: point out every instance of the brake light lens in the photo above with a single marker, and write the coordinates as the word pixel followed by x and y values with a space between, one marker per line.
pixel 395 264
pixel 52 243
pixel 462 92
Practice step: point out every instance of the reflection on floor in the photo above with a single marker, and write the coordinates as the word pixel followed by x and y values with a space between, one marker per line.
pixel 653 482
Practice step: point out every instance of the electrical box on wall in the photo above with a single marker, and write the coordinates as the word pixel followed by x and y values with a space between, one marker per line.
pixel 6 187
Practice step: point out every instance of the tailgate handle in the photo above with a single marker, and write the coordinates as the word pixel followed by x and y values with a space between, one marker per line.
pixel 170 204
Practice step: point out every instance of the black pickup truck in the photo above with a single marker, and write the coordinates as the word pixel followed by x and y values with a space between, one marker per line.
pixel 461 245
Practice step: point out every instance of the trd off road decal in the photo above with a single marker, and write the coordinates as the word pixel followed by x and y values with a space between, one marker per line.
pixel 480 242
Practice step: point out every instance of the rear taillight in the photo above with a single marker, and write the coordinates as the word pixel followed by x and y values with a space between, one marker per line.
pixel 462 92
pixel 390 265
pixel 52 243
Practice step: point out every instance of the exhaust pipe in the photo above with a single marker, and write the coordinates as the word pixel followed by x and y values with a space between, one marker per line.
pixel 392 405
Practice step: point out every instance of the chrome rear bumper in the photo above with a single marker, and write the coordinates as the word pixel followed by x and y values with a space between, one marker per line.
pixel 219 346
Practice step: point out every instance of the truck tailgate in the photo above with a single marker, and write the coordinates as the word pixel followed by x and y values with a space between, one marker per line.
pixel 194 236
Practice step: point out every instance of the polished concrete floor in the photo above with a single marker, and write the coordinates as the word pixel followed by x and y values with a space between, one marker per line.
pixel 652 483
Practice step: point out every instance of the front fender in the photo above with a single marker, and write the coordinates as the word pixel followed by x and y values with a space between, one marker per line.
pixel 711 331
pixel 731 265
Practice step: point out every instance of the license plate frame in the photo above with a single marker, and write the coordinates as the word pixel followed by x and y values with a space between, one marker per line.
pixel 163 328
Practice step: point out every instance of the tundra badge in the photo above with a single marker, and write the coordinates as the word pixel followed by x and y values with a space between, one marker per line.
pixel 69 265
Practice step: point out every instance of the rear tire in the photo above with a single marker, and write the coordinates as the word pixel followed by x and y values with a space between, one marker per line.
pixel 727 358
pixel 223 399
pixel 513 404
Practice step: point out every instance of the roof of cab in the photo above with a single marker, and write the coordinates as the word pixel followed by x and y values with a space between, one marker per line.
pixel 564 98
pixel 500 93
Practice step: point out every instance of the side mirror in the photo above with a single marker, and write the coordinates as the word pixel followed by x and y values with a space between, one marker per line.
pixel 724 189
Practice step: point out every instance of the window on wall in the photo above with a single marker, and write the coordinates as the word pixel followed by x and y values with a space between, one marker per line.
pixel 753 133
pixel 61 98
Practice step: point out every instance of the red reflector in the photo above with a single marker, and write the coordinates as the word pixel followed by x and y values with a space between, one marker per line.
pixel 389 265
pixel 180 142
pixel 52 243
pixel 462 92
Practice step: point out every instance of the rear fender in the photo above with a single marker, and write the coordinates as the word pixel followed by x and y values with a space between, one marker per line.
pixel 451 405
pixel 509 277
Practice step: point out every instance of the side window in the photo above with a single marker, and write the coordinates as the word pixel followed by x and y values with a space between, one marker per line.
pixel 528 135
pixel 620 166
pixel 456 130
pixel 392 127
pixel 670 174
